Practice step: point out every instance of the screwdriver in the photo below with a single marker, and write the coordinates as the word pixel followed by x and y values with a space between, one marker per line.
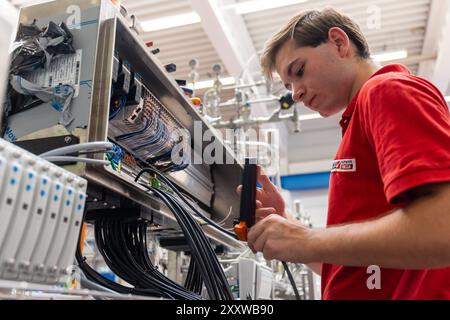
pixel 248 200
pixel 248 211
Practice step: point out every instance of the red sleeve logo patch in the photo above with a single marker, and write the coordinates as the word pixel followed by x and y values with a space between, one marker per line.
pixel 344 165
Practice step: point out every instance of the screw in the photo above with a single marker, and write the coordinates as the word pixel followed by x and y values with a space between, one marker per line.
pixel 53 270
pixel 9 263
pixel 68 139
pixel 24 265
pixel 39 268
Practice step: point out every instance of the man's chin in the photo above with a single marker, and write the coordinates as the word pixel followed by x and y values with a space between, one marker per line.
pixel 323 115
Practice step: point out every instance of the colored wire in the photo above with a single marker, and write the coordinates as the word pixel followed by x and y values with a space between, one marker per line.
pixel 116 156
pixel 122 104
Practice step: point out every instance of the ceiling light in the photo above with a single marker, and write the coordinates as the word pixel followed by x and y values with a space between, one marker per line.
pixel 210 83
pixel 170 22
pixel 447 98
pixel 261 5
pixel 390 56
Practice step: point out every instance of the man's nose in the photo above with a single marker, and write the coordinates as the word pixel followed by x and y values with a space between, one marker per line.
pixel 297 93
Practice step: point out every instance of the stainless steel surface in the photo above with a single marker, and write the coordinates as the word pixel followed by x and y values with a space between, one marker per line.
pixel 196 181
pixel 43 10
pixel 98 123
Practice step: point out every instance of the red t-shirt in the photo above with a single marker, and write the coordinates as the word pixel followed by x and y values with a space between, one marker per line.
pixel 396 136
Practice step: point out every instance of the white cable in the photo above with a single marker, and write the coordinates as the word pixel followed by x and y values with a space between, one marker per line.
pixel 244 253
pixel 78 147
pixel 222 223
pixel 76 159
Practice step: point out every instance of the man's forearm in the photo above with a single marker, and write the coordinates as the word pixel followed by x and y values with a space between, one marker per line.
pixel 316 267
pixel 416 237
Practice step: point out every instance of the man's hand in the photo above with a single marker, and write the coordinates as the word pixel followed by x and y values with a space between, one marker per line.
pixel 268 199
pixel 270 208
pixel 281 239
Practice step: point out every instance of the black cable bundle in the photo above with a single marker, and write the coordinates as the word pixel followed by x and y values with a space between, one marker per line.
pixel 212 223
pixel 123 246
pixel 154 171
pixel 194 280
pixel 94 276
pixel 204 257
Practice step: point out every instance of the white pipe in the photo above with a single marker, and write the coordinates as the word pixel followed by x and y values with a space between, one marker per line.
pixel 262 100
pixel 243 86
pixel 274 117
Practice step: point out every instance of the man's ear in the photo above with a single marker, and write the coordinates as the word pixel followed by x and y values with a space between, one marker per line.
pixel 340 40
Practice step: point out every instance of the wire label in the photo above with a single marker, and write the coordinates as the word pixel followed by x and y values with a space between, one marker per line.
pixel 65 69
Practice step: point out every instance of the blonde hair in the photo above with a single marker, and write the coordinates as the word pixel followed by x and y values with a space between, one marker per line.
pixel 310 29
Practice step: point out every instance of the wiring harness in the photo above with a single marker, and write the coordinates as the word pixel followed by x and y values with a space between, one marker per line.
pixel 123 245
pixel 204 257
pixel 180 196
pixel 115 157
pixel 171 186
pixel 149 132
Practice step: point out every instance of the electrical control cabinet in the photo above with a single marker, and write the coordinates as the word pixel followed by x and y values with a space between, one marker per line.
pixel 124 95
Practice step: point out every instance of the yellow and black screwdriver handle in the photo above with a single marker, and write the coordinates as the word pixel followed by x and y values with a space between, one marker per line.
pixel 248 200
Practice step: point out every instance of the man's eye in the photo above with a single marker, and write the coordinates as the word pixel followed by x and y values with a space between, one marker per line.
pixel 301 71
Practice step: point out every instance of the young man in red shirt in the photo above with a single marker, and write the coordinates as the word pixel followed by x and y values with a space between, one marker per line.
pixel 389 200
